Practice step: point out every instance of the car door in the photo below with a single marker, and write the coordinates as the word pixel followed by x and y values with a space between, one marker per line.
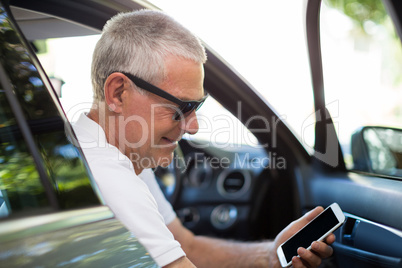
pixel 50 211
pixel 363 173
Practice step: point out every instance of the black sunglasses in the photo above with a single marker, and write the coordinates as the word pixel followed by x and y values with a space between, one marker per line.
pixel 185 107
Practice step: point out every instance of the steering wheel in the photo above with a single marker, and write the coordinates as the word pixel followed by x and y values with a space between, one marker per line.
pixel 171 178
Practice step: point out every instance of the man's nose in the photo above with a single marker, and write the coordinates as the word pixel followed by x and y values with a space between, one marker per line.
pixel 190 124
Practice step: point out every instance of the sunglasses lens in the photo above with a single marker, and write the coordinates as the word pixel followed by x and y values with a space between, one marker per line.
pixel 187 109
pixel 184 111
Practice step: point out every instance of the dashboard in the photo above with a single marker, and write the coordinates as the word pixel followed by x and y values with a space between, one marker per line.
pixel 216 186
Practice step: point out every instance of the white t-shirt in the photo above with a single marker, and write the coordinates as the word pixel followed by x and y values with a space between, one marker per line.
pixel 136 201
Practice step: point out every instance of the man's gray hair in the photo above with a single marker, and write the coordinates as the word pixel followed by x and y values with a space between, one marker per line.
pixel 138 42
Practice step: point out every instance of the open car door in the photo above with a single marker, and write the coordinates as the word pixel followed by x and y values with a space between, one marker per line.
pixel 365 178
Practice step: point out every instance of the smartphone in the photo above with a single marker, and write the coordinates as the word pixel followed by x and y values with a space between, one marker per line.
pixel 316 230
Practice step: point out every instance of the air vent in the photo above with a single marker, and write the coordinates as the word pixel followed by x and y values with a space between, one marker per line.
pixel 233 183
pixel 200 175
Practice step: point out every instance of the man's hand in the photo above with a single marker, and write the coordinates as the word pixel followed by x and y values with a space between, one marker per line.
pixel 308 258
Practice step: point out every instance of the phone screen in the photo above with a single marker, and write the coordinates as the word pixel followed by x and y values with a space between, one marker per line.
pixel 311 232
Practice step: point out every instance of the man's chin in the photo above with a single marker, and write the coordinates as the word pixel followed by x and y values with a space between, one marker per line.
pixel 157 161
pixel 166 160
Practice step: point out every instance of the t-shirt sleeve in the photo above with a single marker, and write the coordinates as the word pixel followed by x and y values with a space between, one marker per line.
pixel 164 206
pixel 133 204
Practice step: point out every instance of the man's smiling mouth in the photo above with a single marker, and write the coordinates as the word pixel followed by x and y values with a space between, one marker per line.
pixel 172 141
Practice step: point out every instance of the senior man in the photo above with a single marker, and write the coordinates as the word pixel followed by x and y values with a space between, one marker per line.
pixel 147 76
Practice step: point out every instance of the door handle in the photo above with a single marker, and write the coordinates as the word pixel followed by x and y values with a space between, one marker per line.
pixel 348 231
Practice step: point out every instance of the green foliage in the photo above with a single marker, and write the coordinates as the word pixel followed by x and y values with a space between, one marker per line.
pixel 24 76
pixel 371 14
pixel 18 173
pixel 361 11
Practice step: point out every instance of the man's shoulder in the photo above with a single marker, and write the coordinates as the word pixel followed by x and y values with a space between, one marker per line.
pixel 89 134
pixel 100 155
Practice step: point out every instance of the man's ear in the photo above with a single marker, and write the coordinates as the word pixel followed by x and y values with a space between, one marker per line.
pixel 114 87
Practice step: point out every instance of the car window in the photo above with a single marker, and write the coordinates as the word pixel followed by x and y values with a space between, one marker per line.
pixel 263 41
pixel 40 168
pixel 69 60
pixel 20 185
pixel 220 128
pixel 362 64
pixel 217 125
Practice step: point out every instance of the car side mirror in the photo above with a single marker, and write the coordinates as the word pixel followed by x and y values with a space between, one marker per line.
pixel 378 150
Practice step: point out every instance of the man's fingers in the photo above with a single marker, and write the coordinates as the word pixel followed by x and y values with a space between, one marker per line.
pixel 330 239
pixel 313 257
pixel 297 262
pixel 308 259
pixel 322 249
pixel 319 250
pixel 313 213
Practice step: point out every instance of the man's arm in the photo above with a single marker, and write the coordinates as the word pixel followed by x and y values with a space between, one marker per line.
pixel 210 252
pixel 182 262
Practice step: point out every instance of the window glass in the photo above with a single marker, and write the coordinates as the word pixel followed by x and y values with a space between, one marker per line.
pixel 20 186
pixel 362 64
pixel 69 59
pixel 264 41
pixel 220 128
